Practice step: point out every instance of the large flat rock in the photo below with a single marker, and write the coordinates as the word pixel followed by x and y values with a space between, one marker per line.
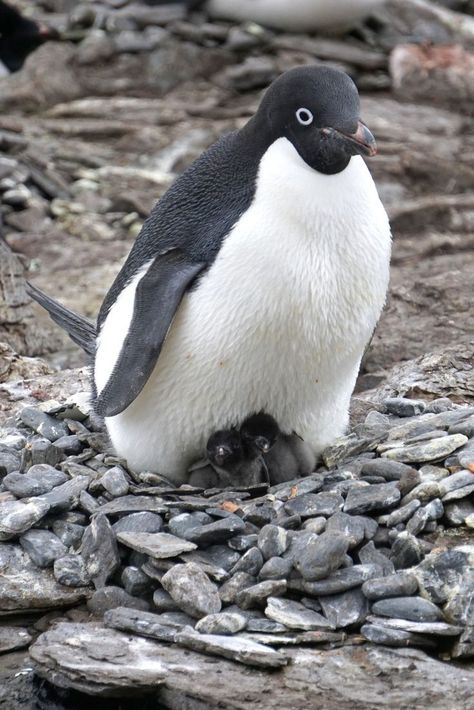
pixel 97 660
pixel 26 587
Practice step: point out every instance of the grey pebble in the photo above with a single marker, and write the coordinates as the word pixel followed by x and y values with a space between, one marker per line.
pixel 39 479
pixel 159 545
pixel 42 547
pixel 251 562
pixel 370 555
pixel 456 512
pixel 242 543
pixel 354 527
pixel 371 498
pixel 99 550
pixel 272 541
pixel 112 597
pixel 219 531
pixel 393 637
pixel 233 647
pixel 257 595
pixel 17 516
pixel 43 424
pixel 313 504
pixel 70 534
pixel 394 585
pixel 139 522
pixel 179 524
pixel 9 460
pixel 225 623
pixel 234 585
pixel 455 481
pixel 163 601
pixel 406 551
pixel 458 493
pixel 70 571
pixel 409 608
pixel 276 568
pixel 69 445
pixel 316 525
pixel 321 556
pixel 342 580
pixel 66 496
pixel 192 590
pixel 403 407
pixel 115 482
pixel 430 451
pixel 142 623
pixel 401 514
pixel 345 609
pixel 135 582
pixel 435 628
pixel 294 615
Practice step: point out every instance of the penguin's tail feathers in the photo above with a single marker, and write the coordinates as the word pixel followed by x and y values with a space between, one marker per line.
pixel 80 329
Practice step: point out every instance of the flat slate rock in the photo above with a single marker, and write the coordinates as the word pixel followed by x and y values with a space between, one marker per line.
pixel 25 587
pixel 400 584
pixel 158 545
pixel 409 608
pixel 428 451
pixel 347 678
pixel 376 497
pixel 13 638
pixel 142 623
pixel 17 516
pixel 320 556
pixel 133 504
pixel 232 647
pixel 342 580
pixel 213 533
pixel 295 615
pixel 387 636
pixel 435 628
pixel 93 658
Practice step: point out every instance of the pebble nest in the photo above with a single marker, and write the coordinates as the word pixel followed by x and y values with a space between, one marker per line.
pixel 374 546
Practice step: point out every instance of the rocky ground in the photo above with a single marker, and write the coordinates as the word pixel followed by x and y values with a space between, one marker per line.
pixel 92 130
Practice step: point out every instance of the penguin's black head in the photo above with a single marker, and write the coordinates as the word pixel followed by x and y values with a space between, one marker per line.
pixel 224 448
pixel 259 432
pixel 317 109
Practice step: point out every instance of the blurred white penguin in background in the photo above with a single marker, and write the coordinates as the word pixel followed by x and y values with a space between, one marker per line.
pixel 296 15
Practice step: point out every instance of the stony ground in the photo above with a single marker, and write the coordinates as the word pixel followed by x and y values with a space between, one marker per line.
pixel 360 575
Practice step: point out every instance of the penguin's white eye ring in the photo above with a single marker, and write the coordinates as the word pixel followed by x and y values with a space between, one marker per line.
pixel 304 116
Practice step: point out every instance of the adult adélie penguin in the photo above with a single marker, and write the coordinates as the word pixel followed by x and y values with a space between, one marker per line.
pixel 254 285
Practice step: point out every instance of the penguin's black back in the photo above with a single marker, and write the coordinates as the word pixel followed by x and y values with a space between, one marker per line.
pixel 200 208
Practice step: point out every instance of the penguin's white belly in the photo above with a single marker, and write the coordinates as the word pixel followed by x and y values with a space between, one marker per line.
pixel 279 322
pixel 295 15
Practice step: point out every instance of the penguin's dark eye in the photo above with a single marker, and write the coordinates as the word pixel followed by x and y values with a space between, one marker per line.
pixel 304 116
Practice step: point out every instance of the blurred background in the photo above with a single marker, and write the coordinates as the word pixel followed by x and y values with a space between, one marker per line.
pixel 104 103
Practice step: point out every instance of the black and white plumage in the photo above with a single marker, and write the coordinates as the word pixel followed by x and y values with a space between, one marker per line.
pixel 254 285
pixel 229 463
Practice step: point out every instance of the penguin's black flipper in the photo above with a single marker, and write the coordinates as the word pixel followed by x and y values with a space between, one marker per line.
pixel 157 298
pixel 80 329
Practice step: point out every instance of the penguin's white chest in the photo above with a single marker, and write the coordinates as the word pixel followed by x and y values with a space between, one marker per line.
pixel 279 322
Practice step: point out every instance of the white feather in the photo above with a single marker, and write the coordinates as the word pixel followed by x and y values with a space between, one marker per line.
pixel 279 322
pixel 295 15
